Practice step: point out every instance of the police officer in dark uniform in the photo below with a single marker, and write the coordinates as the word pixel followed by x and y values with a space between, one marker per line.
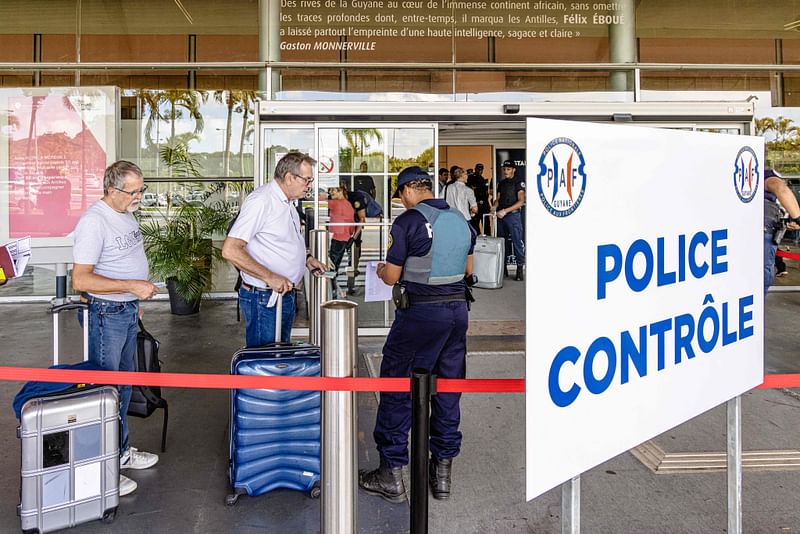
pixel 428 262
pixel 776 190
pixel 508 207
pixel 359 201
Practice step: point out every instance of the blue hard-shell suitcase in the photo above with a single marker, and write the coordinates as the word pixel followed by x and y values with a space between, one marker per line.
pixel 275 434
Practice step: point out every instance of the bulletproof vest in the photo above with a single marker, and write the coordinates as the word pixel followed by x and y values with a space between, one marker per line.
pixel 772 211
pixel 446 260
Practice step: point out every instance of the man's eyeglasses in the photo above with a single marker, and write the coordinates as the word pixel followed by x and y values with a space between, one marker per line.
pixel 133 193
pixel 308 179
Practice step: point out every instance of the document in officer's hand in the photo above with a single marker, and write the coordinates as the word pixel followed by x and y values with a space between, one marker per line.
pixel 375 290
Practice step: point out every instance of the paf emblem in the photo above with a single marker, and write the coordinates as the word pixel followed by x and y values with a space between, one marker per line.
pixel 746 174
pixel 562 177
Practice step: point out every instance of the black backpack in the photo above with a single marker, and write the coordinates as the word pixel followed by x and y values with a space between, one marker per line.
pixel 147 399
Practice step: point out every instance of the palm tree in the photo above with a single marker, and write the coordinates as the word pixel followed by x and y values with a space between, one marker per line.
pixel 785 129
pixel 235 102
pixel 765 125
pixel 163 106
pixel 246 101
pixel 358 139
pixel 226 98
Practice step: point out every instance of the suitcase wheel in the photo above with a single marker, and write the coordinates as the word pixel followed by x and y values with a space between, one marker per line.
pixel 109 516
pixel 315 492
pixel 232 498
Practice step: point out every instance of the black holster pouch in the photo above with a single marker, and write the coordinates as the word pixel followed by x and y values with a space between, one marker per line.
pixel 777 233
pixel 468 296
pixel 400 297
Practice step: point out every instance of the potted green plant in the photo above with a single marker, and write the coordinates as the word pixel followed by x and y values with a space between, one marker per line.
pixel 181 251
pixel 179 244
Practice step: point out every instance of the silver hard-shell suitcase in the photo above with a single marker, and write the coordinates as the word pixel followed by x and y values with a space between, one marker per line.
pixel 70 459
pixel 70 451
pixel 487 261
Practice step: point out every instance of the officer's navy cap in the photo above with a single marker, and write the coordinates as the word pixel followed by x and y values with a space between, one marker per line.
pixel 509 163
pixel 769 173
pixel 411 174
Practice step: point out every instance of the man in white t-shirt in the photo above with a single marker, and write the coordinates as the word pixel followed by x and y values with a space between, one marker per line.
pixel 267 246
pixel 459 195
pixel 110 270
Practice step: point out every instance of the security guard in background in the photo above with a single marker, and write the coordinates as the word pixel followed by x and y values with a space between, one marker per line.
pixel 428 262
pixel 508 207
pixel 776 190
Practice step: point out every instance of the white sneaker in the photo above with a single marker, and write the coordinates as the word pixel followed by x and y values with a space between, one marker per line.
pixel 133 458
pixel 126 485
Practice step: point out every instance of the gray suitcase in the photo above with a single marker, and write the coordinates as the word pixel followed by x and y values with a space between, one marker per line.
pixel 487 261
pixel 70 452
pixel 70 459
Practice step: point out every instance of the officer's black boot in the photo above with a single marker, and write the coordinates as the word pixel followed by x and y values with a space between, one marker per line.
pixel 505 271
pixel 439 477
pixel 384 482
pixel 520 273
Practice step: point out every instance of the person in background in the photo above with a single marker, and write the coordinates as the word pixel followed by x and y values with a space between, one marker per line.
pixel 459 196
pixel 359 202
pixel 266 244
pixel 444 177
pixel 480 185
pixel 110 271
pixel 508 207
pixel 364 182
pixel 340 211
pixel 775 191
pixel 430 256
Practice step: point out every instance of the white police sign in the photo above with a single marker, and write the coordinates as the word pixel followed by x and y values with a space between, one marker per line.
pixel 645 286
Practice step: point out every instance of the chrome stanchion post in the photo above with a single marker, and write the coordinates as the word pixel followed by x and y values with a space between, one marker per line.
pixel 420 434
pixel 339 349
pixel 735 466
pixel 61 281
pixel 318 286
pixel 571 506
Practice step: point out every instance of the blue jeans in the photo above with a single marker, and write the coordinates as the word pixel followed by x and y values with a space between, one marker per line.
pixel 769 260
pixel 511 227
pixel 337 251
pixel 434 337
pixel 113 327
pixel 259 320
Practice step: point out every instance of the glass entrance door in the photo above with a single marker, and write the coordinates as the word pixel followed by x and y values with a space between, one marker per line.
pixel 363 159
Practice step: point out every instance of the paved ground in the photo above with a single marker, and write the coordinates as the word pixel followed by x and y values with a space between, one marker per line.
pixel 185 492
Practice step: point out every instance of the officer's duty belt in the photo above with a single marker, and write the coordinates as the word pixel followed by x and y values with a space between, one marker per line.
pixel 431 299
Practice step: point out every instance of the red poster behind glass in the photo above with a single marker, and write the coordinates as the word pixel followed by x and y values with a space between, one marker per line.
pixel 55 165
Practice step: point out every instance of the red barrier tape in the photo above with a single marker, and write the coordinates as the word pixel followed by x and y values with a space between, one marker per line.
pixel 300 383
pixel 296 383
pixel 790 255
pixel 780 381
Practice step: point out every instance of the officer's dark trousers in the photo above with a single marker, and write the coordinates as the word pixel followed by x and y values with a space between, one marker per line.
pixel 432 336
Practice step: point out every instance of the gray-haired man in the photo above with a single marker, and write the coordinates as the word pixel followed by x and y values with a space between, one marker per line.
pixel 266 245
pixel 110 269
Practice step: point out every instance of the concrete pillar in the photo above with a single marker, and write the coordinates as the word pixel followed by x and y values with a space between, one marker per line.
pixel 269 40
pixel 622 44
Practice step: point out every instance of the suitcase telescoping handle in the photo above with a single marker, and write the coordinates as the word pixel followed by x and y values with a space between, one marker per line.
pixel 484 223
pixel 56 309
pixel 278 317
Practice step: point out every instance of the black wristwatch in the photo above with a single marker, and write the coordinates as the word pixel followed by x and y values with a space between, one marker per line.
pixel 796 220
